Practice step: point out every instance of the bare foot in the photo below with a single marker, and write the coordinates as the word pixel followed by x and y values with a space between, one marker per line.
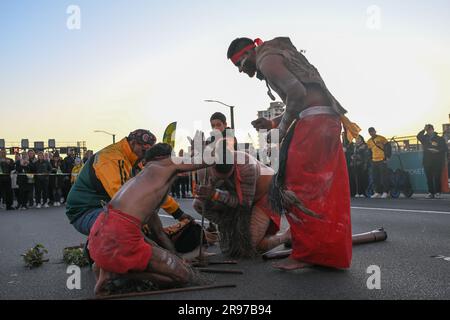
pixel 290 264
pixel 96 270
pixel 102 277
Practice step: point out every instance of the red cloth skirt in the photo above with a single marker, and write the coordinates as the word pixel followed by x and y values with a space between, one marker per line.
pixel 317 172
pixel 116 243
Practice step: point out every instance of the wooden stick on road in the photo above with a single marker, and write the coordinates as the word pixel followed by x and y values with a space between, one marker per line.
pixel 214 270
pixel 361 238
pixel 157 292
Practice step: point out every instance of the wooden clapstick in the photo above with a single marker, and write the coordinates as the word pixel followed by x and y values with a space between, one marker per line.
pixel 369 237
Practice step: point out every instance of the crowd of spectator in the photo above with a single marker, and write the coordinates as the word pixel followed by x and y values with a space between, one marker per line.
pixel 367 163
pixel 44 179
pixel 37 179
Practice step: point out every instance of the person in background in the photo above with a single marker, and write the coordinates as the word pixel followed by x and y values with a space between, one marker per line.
pixel 6 167
pixel 175 188
pixel 87 156
pixel 183 178
pixel 359 165
pixel 56 179
pixel 42 179
pixel 76 170
pixel 15 186
pixel 218 122
pixel 32 159
pixel 434 154
pixel 24 171
pixel 68 164
pixel 376 145
pixel 51 198
pixel 348 147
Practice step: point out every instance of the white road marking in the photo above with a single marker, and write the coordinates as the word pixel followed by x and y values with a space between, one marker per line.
pixel 167 216
pixel 402 210
pixel 360 208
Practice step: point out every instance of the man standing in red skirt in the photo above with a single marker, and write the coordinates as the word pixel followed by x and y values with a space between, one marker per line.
pixel 311 186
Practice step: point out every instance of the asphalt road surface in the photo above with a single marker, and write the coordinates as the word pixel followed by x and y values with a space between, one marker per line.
pixel 418 229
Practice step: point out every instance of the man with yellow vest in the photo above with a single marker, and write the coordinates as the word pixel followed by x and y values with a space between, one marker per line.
pixel 376 144
pixel 104 174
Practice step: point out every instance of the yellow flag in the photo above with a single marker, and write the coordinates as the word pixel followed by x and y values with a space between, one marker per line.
pixel 169 134
pixel 352 129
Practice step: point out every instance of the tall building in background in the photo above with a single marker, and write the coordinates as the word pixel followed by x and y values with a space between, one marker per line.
pixel 275 109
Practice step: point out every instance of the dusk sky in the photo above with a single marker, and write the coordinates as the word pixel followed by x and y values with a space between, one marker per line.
pixel 144 64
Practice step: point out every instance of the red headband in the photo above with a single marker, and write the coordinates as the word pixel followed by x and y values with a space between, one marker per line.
pixel 235 58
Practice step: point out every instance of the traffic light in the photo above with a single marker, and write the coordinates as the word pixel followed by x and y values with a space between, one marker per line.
pixel 51 143
pixel 39 146
pixel 25 144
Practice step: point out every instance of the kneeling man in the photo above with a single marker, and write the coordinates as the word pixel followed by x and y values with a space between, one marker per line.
pixel 235 198
pixel 116 242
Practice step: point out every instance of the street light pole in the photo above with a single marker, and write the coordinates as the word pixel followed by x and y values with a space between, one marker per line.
pixel 232 116
pixel 231 110
pixel 111 134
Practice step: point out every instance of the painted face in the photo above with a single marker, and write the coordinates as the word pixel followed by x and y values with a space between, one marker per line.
pixel 216 124
pixel 245 65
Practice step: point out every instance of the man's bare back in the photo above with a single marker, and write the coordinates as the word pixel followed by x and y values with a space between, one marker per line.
pixel 141 196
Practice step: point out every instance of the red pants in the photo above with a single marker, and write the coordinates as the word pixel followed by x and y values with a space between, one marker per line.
pixel 116 243
pixel 316 171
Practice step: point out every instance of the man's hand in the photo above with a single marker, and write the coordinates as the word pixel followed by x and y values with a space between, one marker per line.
pixel 185 216
pixel 197 144
pixel 262 123
pixel 204 192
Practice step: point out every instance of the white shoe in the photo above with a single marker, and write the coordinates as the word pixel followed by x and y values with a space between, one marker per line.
pixel 430 196
pixel 38 206
pixel 437 195
pixel 57 204
pixel 376 196
pixel 384 196
pixel 46 205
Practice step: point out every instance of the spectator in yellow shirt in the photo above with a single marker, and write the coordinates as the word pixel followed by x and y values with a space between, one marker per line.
pixel 76 170
pixel 376 145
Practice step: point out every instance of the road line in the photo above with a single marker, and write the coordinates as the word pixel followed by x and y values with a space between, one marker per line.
pixel 402 210
pixel 167 216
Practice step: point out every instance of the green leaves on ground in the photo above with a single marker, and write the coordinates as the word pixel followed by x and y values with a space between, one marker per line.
pixel 75 256
pixel 35 256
